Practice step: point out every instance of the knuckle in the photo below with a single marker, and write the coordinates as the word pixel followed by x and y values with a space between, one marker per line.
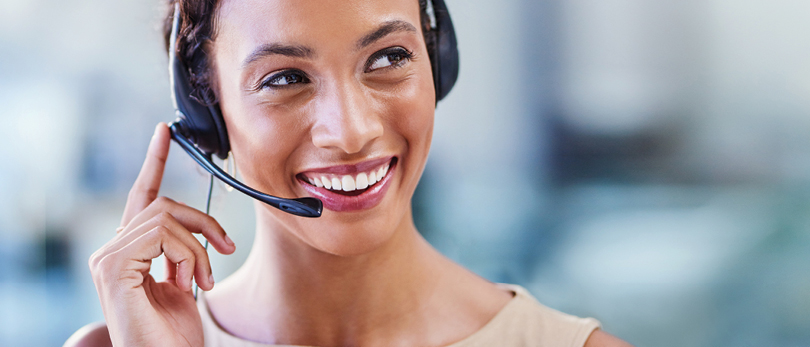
pixel 163 200
pixel 212 223
pixel 157 233
pixel 104 267
pixel 201 254
pixel 160 231
pixel 164 217
pixel 212 220
pixel 105 263
pixel 187 256
pixel 92 263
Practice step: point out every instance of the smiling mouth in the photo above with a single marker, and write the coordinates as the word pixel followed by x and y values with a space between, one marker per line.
pixel 350 187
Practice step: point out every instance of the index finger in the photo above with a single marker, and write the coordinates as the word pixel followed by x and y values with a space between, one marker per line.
pixel 146 187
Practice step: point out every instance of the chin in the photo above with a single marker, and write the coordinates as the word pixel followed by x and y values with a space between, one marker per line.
pixel 348 233
pixel 353 240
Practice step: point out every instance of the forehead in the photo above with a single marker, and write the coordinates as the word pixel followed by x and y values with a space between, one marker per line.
pixel 307 22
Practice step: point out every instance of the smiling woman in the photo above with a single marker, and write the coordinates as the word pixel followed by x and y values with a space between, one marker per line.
pixel 326 99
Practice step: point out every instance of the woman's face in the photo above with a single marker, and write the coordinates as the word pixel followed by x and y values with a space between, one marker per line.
pixel 318 94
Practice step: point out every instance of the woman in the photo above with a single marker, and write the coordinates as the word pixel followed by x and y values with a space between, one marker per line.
pixel 330 99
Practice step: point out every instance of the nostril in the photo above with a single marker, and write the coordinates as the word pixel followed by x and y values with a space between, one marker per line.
pixel 350 141
pixel 350 130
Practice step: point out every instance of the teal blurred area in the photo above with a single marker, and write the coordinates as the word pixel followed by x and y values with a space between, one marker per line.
pixel 644 163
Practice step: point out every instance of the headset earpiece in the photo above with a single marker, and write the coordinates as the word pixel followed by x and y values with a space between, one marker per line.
pixel 444 53
pixel 204 123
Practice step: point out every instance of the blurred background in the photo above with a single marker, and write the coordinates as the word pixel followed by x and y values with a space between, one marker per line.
pixel 646 163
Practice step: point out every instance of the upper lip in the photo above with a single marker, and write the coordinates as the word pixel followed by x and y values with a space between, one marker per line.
pixel 349 169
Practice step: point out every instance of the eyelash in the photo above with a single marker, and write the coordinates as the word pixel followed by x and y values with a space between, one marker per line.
pixel 301 77
pixel 405 56
pixel 268 82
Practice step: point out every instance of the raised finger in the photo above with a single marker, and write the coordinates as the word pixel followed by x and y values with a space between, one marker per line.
pixel 147 185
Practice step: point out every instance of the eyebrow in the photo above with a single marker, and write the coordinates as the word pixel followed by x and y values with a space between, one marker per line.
pixel 387 28
pixel 295 51
pixel 299 51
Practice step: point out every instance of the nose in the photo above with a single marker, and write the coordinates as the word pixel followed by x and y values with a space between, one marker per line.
pixel 345 119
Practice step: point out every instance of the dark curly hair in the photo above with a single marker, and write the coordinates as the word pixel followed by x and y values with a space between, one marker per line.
pixel 197 31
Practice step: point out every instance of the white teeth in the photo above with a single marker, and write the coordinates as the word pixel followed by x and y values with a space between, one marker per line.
pixel 350 183
pixel 347 182
pixel 362 181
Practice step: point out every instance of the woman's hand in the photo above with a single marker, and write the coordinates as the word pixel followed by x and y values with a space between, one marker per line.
pixel 140 311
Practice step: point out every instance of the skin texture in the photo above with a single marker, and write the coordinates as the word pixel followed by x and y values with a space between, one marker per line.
pixel 344 116
pixel 348 278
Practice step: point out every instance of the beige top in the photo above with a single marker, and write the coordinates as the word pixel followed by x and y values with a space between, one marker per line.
pixel 522 322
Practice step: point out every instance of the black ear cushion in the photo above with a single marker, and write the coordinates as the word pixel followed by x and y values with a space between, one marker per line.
pixel 222 131
pixel 446 51
pixel 202 124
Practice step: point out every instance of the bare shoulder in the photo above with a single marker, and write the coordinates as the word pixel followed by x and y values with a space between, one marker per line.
pixel 600 338
pixel 93 334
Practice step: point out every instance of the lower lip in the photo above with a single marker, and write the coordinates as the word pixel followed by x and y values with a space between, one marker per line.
pixel 343 203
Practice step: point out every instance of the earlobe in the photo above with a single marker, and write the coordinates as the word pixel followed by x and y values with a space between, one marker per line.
pixel 230 168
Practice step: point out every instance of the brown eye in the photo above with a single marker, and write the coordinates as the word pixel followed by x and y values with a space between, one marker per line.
pixel 284 79
pixel 389 57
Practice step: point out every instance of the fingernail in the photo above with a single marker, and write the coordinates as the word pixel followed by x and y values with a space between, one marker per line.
pixel 211 279
pixel 228 240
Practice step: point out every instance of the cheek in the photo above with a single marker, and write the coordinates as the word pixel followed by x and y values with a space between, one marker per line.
pixel 415 121
pixel 412 106
pixel 262 142
pixel 257 141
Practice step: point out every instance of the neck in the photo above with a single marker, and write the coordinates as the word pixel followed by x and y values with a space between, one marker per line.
pixel 299 294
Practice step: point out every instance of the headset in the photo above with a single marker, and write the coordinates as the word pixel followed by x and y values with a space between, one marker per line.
pixel 200 129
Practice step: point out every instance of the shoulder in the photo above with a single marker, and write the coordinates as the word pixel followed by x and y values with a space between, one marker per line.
pixel 93 334
pixel 527 322
pixel 584 332
pixel 532 312
pixel 600 338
